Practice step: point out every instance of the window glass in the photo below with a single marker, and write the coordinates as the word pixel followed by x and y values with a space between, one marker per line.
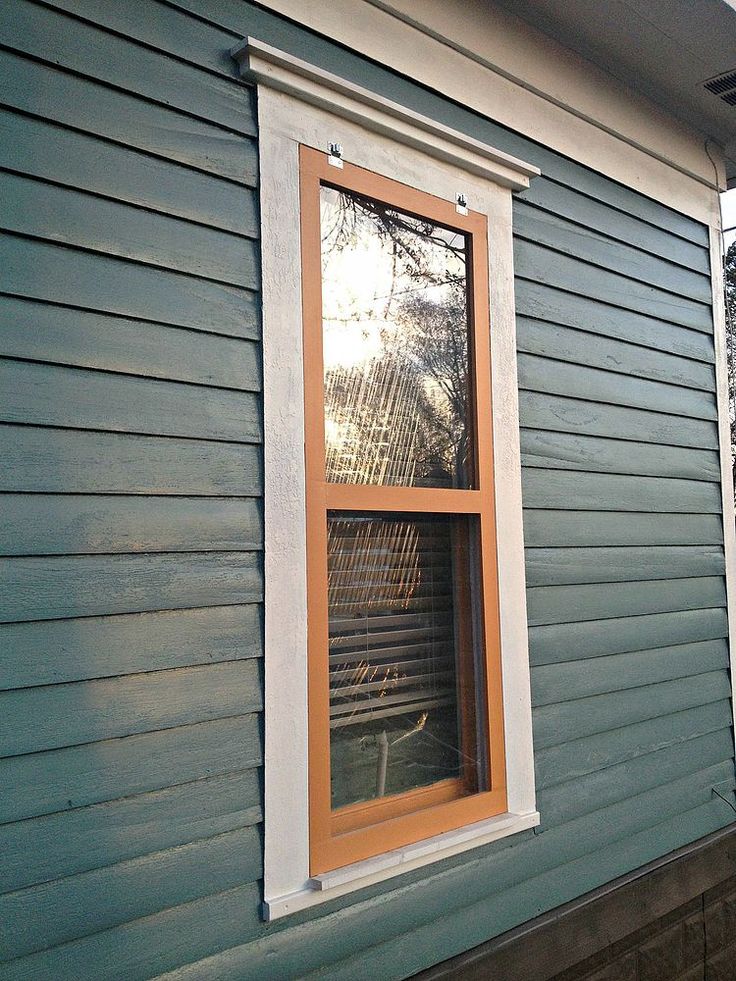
pixel 395 346
pixel 400 654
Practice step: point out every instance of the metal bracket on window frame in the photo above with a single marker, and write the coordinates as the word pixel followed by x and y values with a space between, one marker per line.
pixel 334 154
pixel 461 204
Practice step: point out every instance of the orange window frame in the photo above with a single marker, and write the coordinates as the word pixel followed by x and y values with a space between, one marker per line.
pixel 363 830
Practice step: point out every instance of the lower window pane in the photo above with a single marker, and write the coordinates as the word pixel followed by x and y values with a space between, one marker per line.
pixel 402 686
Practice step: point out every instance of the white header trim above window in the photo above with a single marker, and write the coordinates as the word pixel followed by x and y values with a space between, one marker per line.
pixel 484 58
pixel 398 148
pixel 273 68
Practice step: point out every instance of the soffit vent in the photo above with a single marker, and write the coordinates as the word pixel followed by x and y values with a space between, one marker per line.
pixel 723 86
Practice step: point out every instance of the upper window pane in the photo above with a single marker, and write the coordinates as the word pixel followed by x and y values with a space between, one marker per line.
pixel 395 342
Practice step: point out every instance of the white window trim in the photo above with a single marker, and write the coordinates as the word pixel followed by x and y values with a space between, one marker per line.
pixel 298 103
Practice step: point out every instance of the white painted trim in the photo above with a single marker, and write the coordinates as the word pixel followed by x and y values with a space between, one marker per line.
pixel 724 440
pixel 483 57
pixel 276 69
pixel 421 853
pixel 285 121
pixel 513 48
pixel 286 848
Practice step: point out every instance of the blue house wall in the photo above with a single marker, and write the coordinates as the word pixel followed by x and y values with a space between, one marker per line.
pixel 131 525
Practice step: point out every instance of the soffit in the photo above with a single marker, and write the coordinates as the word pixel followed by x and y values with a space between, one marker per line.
pixel 665 50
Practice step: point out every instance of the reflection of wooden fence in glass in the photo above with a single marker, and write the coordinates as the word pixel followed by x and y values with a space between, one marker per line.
pixel 372 426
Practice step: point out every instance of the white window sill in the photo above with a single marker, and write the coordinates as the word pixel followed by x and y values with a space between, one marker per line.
pixel 330 885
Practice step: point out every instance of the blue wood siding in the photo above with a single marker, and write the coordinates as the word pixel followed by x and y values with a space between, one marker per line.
pixel 131 523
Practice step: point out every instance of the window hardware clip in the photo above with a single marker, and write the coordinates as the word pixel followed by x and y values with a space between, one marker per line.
pixel 461 204
pixel 334 154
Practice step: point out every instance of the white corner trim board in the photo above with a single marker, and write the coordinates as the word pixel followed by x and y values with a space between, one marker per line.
pixel 724 442
pixel 298 104
pixel 273 68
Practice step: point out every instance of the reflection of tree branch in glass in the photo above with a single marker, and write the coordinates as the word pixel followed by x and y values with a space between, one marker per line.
pixel 395 332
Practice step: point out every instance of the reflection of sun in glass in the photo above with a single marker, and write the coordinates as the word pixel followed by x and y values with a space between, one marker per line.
pixel 394 345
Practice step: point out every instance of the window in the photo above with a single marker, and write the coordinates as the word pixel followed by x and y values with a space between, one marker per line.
pixel 405 707
pixel 396 654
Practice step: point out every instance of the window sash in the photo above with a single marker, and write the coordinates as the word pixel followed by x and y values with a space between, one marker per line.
pixel 362 830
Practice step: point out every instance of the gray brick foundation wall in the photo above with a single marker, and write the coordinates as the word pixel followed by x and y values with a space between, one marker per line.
pixel 673 920
pixel 694 941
